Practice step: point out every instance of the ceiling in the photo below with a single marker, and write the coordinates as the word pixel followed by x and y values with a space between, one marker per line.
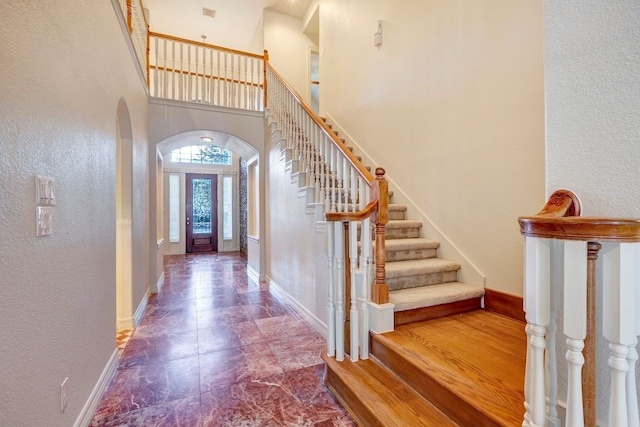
pixel 237 23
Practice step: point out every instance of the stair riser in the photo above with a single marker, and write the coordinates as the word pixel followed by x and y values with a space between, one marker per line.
pixel 411 254
pixel 448 402
pixel 401 233
pixel 421 280
pixel 396 215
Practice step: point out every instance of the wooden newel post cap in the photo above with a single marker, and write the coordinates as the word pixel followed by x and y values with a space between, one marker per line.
pixel 380 173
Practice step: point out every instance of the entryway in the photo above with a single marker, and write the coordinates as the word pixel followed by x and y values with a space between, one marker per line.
pixel 201 213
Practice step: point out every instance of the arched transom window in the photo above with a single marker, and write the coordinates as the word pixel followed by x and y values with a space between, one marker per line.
pixel 202 154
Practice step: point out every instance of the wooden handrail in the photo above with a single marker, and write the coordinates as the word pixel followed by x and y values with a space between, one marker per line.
pixel 622 230
pixel 209 46
pixel 360 215
pixel 559 219
pixel 353 160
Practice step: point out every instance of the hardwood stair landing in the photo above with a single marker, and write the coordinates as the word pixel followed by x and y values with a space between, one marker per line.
pixel 469 366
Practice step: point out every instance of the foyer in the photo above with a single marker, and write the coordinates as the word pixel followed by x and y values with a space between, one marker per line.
pixel 215 350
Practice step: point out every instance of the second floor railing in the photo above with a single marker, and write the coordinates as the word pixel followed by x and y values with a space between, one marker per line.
pixel 192 71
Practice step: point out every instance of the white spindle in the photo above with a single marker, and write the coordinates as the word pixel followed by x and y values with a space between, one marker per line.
pixel 155 70
pixel 174 77
pixel 537 308
pixel 620 279
pixel 189 76
pixel 551 360
pixel 331 307
pixel 339 261
pixel 366 266
pixel 353 314
pixel 632 392
pixel 181 79
pixel 165 78
pixel 575 324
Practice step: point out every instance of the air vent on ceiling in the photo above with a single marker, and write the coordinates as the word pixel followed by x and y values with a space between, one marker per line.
pixel 208 12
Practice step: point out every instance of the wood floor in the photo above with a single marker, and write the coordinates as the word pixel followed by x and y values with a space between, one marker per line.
pixel 466 370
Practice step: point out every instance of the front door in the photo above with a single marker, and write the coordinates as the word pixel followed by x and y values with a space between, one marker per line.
pixel 201 212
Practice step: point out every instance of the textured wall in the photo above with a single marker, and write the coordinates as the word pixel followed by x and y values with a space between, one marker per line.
pixel 65 67
pixel 592 58
pixel 451 105
pixel 296 253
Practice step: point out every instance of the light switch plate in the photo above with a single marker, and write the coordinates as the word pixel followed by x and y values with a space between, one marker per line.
pixel 45 196
pixel 43 220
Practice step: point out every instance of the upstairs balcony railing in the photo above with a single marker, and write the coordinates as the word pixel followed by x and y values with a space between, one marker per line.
pixel 354 205
pixel 561 249
pixel 191 71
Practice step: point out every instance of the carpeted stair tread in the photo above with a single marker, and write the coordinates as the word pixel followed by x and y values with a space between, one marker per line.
pixel 419 266
pixel 403 224
pixel 429 296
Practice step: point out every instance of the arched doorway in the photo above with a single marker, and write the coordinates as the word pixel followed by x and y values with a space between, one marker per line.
pixel 124 191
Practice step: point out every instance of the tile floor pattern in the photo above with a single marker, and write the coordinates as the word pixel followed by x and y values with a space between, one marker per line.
pixel 215 350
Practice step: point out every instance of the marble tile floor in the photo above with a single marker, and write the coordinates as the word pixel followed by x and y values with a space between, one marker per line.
pixel 213 349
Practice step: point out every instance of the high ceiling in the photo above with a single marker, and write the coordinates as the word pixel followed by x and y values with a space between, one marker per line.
pixel 236 23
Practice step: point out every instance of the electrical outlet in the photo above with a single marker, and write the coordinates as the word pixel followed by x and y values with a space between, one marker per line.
pixel 64 394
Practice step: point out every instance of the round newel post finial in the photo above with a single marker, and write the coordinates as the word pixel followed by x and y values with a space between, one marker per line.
pixel 380 173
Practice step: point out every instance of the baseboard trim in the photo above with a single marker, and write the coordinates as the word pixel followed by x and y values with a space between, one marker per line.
pixel 315 322
pixel 158 286
pixel 502 303
pixel 92 403
pixel 253 275
pixel 142 308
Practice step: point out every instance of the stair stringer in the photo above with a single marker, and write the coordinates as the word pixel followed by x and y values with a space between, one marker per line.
pixel 469 273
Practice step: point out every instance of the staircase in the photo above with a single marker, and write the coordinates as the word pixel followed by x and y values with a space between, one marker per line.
pixel 460 370
pixel 421 285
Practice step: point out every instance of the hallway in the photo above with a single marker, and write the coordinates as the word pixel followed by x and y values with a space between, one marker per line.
pixel 215 350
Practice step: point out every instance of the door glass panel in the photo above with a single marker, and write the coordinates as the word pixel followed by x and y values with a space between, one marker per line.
pixel 201 205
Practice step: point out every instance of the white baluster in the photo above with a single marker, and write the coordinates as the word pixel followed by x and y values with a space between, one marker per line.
pixel 211 78
pixel 537 308
pixel 551 359
pixel 528 379
pixel 575 360
pixel 575 325
pixel 174 78
pixel 218 76
pixel 339 261
pixel 155 71
pixel 366 266
pixel 165 79
pixel 620 279
pixel 632 392
pixel 331 307
pixel 189 76
pixel 353 314
pixel 181 76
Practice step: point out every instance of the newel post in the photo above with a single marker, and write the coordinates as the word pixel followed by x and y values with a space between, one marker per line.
pixel 380 289
pixel 264 77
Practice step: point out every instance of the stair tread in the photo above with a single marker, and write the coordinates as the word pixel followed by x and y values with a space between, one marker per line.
pixel 411 243
pixel 419 266
pixel 388 401
pixel 429 296
pixel 476 357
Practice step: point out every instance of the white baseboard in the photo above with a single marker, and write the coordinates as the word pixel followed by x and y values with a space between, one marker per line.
pixel 142 308
pixel 315 322
pixel 253 275
pixel 90 407
pixel 158 286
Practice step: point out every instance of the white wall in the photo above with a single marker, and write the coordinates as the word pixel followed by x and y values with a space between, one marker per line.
pixel 288 49
pixel 451 105
pixel 296 253
pixel 592 58
pixel 65 66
